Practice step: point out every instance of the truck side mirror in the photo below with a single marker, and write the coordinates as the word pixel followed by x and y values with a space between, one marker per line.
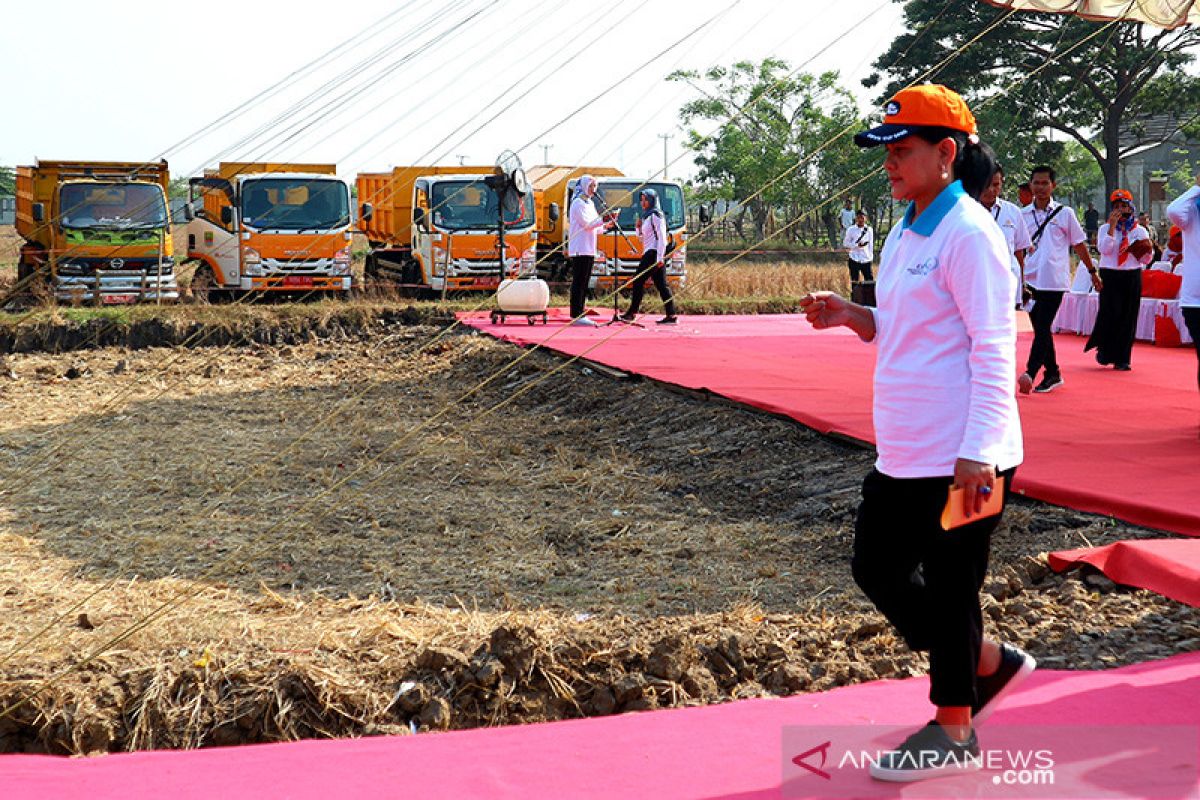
pixel 366 212
pixel 555 214
pixel 419 217
pixel 226 215
pixel 39 212
pixel 189 212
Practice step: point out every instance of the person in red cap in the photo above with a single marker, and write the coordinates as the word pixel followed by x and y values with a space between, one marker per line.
pixel 1125 248
pixel 945 416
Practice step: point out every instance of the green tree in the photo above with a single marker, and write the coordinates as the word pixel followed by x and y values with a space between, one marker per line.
pixel 1093 91
pixel 8 181
pixel 776 146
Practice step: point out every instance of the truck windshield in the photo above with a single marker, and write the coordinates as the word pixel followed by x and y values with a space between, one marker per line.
pixel 295 204
pixel 623 197
pixel 469 205
pixel 125 206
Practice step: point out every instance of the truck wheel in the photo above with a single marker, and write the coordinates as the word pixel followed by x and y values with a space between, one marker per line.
pixel 204 289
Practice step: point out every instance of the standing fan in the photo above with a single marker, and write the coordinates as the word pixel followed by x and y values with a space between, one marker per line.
pixel 525 297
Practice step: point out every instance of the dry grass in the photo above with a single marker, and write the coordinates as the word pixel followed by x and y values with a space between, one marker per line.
pixel 747 279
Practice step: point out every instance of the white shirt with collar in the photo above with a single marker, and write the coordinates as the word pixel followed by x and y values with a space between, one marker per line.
pixel 1184 211
pixel 861 243
pixel 1109 244
pixel 1016 235
pixel 947 337
pixel 1048 262
pixel 585 225
pixel 652 230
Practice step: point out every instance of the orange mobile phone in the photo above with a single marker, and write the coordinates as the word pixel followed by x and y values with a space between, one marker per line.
pixel 953 515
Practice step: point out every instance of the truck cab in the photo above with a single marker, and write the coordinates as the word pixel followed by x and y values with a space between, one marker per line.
pixel 436 229
pixel 96 232
pixel 269 228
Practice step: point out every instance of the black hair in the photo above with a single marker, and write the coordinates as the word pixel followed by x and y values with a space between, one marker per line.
pixel 1046 169
pixel 999 171
pixel 974 162
pixel 860 212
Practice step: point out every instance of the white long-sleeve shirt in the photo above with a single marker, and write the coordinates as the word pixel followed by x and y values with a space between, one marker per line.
pixel 1184 213
pixel 1109 244
pixel 585 225
pixel 1011 221
pixel 1048 262
pixel 652 230
pixel 861 253
pixel 947 338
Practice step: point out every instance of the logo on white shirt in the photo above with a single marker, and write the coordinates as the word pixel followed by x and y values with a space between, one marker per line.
pixel 925 267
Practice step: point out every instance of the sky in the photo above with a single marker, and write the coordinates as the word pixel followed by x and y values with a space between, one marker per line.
pixel 434 82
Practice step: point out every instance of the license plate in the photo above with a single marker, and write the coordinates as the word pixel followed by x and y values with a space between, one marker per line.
pixel 118 299
pixel 302 281
pixel 487 281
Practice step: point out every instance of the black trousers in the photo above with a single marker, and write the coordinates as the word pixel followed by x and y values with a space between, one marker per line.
pixel 1041 352
pixel 647 269
pixel 1191 317
pixel 1116 320
pixel 859 268
pixel 581 275
pixel 925 580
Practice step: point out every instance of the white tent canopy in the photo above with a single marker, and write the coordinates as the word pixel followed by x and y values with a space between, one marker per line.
pixel 1160 13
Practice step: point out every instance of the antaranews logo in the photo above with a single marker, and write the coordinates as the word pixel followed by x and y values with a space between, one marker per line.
pixel 802 760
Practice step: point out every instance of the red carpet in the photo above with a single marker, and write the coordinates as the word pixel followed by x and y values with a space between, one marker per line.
pixel 1123 444
pixel 1104 730
pixel 1170 567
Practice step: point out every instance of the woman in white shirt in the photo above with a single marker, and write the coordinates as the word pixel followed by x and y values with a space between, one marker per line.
pixel 652 229
pixel 1121 273
pixel 1185 212
pixel 585 225
pixel 945 415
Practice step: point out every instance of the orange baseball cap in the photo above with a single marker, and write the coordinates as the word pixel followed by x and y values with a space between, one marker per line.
pixel 1121 194
pixel 928 106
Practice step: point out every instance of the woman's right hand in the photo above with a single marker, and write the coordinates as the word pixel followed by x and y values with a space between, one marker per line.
pixel 825 309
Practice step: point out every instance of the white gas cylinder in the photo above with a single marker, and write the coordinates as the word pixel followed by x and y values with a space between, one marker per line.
pixel 523 295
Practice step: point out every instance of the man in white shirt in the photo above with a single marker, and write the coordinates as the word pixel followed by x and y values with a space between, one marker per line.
pixel 859 241
pixel 1012 224
pixel 1054 231
pixel 846 215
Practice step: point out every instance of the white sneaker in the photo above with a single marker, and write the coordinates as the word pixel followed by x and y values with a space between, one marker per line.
pixel 584 322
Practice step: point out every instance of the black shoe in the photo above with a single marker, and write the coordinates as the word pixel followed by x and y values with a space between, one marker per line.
pixel 928 753
pixel 627 317
pixel 668 321
pixel 1015 666
pixel 1101 360
pixel 1049 383
pixel 1122 367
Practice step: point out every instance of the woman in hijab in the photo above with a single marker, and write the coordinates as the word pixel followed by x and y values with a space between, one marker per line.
pixel 1121 260
pixel 585 225
pixel 652 228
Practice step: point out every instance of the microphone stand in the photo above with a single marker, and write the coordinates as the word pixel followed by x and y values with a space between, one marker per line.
pixel 616 229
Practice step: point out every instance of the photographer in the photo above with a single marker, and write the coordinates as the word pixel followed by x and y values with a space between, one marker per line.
pixel 859 241
pixel 1125 248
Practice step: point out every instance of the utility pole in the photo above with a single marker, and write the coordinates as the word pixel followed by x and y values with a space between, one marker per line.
pixel 462 160
pixel 546 153
pixel 664 137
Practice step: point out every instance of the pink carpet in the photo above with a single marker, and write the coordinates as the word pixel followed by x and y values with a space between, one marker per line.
pixel 1170 567
pixel 1123 444
pixel 1107 732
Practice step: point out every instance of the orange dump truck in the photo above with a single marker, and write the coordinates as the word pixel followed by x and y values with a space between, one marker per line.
pixel 96 231
pixel 555 185
pixel 256 227
pixel 436 229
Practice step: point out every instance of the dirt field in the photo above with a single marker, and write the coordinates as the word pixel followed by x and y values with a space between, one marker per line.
pixel 331 545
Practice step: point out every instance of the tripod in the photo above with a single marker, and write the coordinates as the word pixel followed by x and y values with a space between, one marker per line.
pixel 617 230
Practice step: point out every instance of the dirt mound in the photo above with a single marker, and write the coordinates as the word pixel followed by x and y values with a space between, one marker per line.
pixel 350 541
